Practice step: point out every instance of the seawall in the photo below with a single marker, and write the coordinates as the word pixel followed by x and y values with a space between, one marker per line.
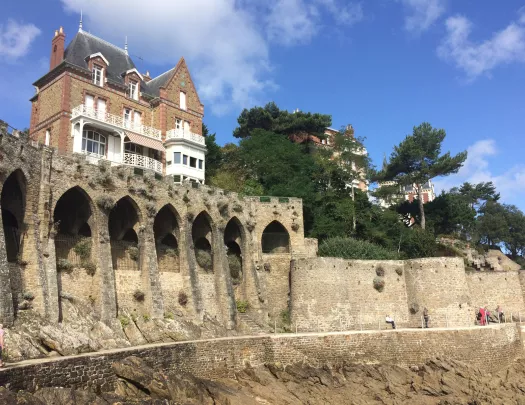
pixel 489 348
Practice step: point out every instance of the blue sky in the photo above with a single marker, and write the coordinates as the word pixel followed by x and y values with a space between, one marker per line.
pixel 381 65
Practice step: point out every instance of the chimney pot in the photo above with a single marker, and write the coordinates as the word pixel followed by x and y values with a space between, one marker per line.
pixel 61 30
pixel 56 33
pixel 57 48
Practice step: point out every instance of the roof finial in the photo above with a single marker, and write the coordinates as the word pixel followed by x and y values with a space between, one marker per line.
pixel 126 45
pixel 80 24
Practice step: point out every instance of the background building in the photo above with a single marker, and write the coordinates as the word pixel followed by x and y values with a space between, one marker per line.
pixel 94 101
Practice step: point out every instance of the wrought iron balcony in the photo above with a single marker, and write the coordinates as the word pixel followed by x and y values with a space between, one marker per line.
pixel 181 134
pixel 115 120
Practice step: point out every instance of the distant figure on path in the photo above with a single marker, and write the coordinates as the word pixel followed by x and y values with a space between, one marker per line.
pixel 425 316
pixel 501 315
pixel 2 332
pixel 389 320
pixel 482 317
pixel 487 315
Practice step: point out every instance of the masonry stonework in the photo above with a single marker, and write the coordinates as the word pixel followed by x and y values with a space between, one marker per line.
pixel 489 349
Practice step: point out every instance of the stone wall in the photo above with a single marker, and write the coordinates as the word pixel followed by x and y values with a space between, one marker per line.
pixel 338 294
pixel 489 348
pixel 119 205
pixel 497 288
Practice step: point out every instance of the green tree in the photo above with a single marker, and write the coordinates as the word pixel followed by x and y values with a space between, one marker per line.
pixel 271 118
pixel 515 238
pixel 214 155
pixel 492 223
pixel 417 159
pixel 476 194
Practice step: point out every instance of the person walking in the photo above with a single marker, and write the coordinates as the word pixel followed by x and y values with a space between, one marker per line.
pixel 391 321
pixel 2 333
pixel 501 315
pixel 425 316
pixel 482 316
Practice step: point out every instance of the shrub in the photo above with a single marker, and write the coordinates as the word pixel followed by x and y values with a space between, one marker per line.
pixel 106 180
pixel 399 271
pixel 151 210
pixel 133 253
pixel 380 271
pixel 139 295
pixel 124 321
pixel 235 264
pixel 105 202
pixel 183 298
pixel 295 227
pixel 204 259
pixel 222 206
pixel 417 242
pixel 168 315
pixel 28 296
pixel 91 268
pixel 64 265
pixel 172 252
pixel 242 306
pixel 379 284
pixel 285 317
pixel 146 317
pixel 349 248
pixel 83 249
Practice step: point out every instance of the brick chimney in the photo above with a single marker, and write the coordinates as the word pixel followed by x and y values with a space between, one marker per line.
pixel 57 48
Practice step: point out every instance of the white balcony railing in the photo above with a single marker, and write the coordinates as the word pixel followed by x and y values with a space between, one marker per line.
pixel 115 120
pixel 133 159
pixel 181 134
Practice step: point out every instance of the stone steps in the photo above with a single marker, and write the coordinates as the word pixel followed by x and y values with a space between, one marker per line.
pixel 250 324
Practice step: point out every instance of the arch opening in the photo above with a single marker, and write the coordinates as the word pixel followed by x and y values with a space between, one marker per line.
pixel 202 236
pixel 233 241
pixel 166 231
pixel 123 223
pixel 13 208
pixel 275 239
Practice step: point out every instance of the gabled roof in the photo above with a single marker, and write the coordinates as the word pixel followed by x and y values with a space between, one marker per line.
pixel 85 44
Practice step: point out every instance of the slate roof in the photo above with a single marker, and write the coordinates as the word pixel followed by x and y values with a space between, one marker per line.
pixel 85 44
pixel 410 187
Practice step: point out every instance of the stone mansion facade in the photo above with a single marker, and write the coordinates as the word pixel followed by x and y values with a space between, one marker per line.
pixel 94 101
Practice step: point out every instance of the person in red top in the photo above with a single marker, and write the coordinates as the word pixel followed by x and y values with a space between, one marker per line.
pixel 483 316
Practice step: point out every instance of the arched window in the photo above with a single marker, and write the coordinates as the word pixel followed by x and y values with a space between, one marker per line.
pixel 93 142
pixel 275 239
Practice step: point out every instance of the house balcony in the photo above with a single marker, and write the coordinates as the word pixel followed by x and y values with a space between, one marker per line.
pixel 186 135
pixel 114 121
pixel 133 159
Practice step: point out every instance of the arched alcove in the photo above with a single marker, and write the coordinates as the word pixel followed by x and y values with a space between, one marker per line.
pixel 202 234
pixel 275 239
pixel 166 231
pixel 124 220
pixel 233 241
pixel 73 222
pixel 13 201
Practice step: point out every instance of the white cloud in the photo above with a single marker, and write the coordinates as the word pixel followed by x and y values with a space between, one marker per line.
pixel 226 42
pixel 16 38
pixel 510 183
pixel 505 46
pixel 423 13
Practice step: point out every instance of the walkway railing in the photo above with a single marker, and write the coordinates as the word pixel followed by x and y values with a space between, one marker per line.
pixel 115 120
pixel 133 159
pixel 190 136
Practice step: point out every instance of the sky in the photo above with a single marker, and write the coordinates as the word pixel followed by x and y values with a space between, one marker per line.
pixel 383 66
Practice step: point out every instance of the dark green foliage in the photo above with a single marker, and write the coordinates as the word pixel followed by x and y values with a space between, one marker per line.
pixel 204 259
pixel 105 202
pixel 64 265
pixel 271 118
pixel 235 264
pixel 417 159
pixel 417 242
pixel 133 253
pixel 90 267
pixel 242 306
pixel 349 248
pixel 83 249
pixel 214 157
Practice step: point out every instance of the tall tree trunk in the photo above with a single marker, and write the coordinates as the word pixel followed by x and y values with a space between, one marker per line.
pixel 421 208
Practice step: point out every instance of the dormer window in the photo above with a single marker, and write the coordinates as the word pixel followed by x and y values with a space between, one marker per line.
pixel 133 90
pixel 98 75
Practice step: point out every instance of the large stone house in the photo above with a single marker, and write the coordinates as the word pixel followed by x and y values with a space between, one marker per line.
pixel 94 101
